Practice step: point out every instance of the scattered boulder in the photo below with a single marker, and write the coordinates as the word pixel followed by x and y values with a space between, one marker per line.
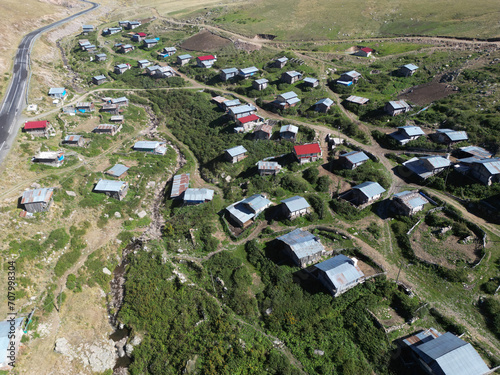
pixel 106 271
pixel 319 352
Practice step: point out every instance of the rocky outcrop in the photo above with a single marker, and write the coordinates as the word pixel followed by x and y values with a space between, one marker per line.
pixel 98 357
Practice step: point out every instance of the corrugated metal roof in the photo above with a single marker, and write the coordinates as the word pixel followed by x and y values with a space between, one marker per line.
pixel 411 66
pixel 264 128
pixel 411 199
pixel 100 77
pixel 307 149
pixel 261 81
pixel 310 80
pixel 101 55
pixel 422 337
pixel 129 46
pixel 170 49
pixel 143 62
pixel 454 135
pixel 293 73
pixel 293 101
pixel 109 185
pixel 370 188
pixel 72 138
pixel 326 101
pixel 122 66
pixel 185 57
pixel 83 104
pixel 450 355
pixel 198 195
pixel 491 165
pixel 268 165
pixel 398 104
pixel 147 145
pixel 282 59
pixel 355 156
pixel 477 151
pixel 411 130
pixel 249 70
pixel 436 161
pixel 57 90
pixel 37 195
pixel 35 125
pixel 242 109
pixel 302 243
pixel 256 202
pixel 352 74
pixel 116 118
pixel 180 183
pixel 249 118
pixel 241 212
pixel 117 170
pixel 340 270
pixel 295 203
pixel 229 70
pixel 150 41
pixel 122 99
pixel 288 95
pixel 106 127
pixel 289 128
pixel 357 99
pixel 235 151
pixel 206 57
pixel 232 103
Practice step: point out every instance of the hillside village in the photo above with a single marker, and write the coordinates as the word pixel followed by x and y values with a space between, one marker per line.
pixel 275 193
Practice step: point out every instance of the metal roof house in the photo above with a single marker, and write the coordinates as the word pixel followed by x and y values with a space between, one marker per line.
pixel 73 140
pixel 151 42
pixel 169 51
pixel 247 123
pixel 52 158
pixel 405 134
pixel 267 168
pixel 427 166
pixel 295 207
pixel 126 48
pixel 241 111
pixel 226 74
pixel 38 128
pixel 226 104
pixel 180 183
pixel 357 100
pixel 281 62
pixel 242 213
pixel 37 200
pixel 117 170
pixel 408 203
pixel 339 274
pixel 303 247
pixel 99 80
pixel 364 52
pixel 260 84
pixel 138 37
pixel 248 72
pixel 57 92
pixel 8 345
pixel 153 147
pixel 263 131
pixel 289 132
pixel 323 105
pixel 197 196
pixel 114 189
pixel 407 70
pixel 100 57
pixel 353 159
pixel 396 107
pixel 206 61
pixel 311 82
pixel 445 354
pixel 449 136
pixel 487 171
pixel 132 25
pixel 367 192
pixel 121 101
pixel 183 59
pixel 287 100
pixel 291 77
pixel 308 152
pixel 84 107
pixel 349 78
pixel 121 68
pixel 475 151
pixel 87 29
pixel 107 129
pixel 235 154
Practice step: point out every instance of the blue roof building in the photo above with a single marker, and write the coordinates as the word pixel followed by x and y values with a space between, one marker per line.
pixel 118 170
pixel 353 159
pixel 228 73
pixel 427 166
pixel 235 154
pixel 445 354
pixel 367 192
pixel 302 247
pixel 295 206
pixel 323 105
pixel 246 210
pixel 114 189
pixel 197 196
pixel 248 72
pixel 450 136
pixel 409 202
pixel 405 134
pixel 339 274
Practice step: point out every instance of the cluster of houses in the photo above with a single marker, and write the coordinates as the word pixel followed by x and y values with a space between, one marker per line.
pixel 189 196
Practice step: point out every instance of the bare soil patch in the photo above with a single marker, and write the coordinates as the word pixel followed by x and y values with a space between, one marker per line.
pixel 387 316
pixel 427 93
pixel 445 252
pixel 87 125
pixel 249 47
pixel 205 41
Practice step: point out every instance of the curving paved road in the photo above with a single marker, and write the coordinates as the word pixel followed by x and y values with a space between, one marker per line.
pixel 13 103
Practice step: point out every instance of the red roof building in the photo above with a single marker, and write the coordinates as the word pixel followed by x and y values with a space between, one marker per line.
pixel 366 49
pixel 31 125
pixel 207 57
pixel 307 153
pixel 251 118
pixel 142 35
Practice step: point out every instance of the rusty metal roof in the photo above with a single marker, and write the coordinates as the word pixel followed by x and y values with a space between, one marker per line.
pixel 180 184
pixel 37 195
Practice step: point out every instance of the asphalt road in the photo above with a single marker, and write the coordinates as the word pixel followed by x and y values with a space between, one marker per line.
pixel 14 100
